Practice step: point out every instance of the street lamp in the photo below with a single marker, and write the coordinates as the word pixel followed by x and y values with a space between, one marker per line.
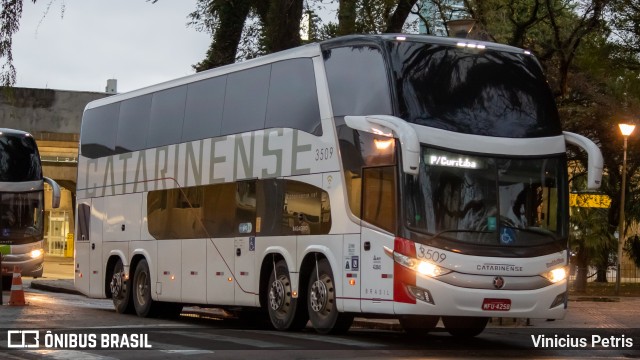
pixel 626 130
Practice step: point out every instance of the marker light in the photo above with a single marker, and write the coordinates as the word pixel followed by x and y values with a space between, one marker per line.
pixel 401 38
pixel 556 275
pixel 36 253
pixel 470 45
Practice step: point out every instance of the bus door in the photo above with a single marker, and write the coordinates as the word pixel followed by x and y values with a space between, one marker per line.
pixel 244 244
pixel 378 209
pixel 88 247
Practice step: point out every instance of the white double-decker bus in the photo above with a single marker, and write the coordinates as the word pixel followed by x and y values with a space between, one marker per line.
pixel 413 177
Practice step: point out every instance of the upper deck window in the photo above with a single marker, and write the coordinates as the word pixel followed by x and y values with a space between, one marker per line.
pixel 358 81
pixel 473 91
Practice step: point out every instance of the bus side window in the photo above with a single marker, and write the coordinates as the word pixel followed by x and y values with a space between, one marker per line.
pixel 379 197
pixel 84 219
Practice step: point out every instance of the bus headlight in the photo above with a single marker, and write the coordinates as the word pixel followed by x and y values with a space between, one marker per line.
pixel 36 253
pixel 422 267
pixel 556 275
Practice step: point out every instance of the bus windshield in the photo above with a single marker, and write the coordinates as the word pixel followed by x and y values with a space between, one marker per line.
pixel 19 159
pixel 21 215
pixel 486 200
pixel 473 91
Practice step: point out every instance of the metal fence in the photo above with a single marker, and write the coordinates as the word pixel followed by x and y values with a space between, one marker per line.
pixel 629 272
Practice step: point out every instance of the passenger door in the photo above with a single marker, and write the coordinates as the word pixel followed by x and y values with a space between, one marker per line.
pixel 244 244
pixel 378 209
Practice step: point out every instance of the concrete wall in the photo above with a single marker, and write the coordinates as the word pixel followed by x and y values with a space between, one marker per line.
pixel 44 110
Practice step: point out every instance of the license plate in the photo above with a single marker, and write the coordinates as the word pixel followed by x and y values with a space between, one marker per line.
pixel 496 304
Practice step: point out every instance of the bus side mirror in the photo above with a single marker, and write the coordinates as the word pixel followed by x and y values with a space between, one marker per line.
pixel 55 197
pixel 595 162
pixel 391 126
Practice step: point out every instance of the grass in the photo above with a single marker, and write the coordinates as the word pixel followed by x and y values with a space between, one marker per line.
pixel 598 289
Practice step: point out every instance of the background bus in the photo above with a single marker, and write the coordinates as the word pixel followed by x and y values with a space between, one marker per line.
pixel 415 177
pixel 22 204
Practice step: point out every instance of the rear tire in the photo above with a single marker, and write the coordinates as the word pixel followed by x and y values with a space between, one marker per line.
pixel 321 302
pixel 121 290
pixel 284 310
pixel 144 305
pixel 462 326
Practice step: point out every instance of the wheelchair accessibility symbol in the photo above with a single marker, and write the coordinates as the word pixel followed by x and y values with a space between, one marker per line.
pixel 507 236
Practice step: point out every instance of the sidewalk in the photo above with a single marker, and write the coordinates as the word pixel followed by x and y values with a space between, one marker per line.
pixel 584 312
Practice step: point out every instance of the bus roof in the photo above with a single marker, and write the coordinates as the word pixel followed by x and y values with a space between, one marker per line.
pixel 309 50
pixel 14 132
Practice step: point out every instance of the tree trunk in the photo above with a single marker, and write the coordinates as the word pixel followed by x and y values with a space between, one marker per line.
pixel 399 17
pixel 347 17
pixel 601 275
pixel 583 269
pixel 223 48
pixel 282 28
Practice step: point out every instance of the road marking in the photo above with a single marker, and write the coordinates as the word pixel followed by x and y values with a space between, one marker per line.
pixel 187 352
pixel 69 355
pixel 231 339
pixel 321 338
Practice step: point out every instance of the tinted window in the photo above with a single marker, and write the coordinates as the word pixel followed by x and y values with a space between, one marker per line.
pixel 133 124
pixel 482 92
pixel 379 197
pixel 167 114
pixel 245 104
pixel 19 158
pixel 203 115
pixel 84 222
pixel 99 130
pixel 358 81
pixel 293 99
pixel 306 210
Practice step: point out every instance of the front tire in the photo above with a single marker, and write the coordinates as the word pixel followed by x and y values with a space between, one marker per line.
pixel 321 302
pixel 284 312
pixel 144 305
pixel 462 326
pixel 120 290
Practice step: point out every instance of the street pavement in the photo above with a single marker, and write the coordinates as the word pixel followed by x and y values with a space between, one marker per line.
pixel 584 312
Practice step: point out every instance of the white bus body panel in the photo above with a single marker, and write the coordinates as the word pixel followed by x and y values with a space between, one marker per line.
pixel 169 270
pixel 352 265
pixel 245 273
pixel 194 271
pixel 96 266
pixel 82 255
pixel 377 272
pixel 220 265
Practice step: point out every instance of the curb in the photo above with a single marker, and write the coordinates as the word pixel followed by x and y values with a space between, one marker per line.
pixel 41 285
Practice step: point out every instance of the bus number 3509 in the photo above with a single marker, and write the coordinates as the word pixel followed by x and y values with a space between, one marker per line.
pixel 431 254
pixel 324 153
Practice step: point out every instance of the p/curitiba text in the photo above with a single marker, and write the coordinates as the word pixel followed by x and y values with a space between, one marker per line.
pixel 595 341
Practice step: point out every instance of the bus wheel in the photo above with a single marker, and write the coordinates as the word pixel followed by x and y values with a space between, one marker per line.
pixel 321 302
pixel 283 307
pixel 463 326
pixel 120 290
pixel 144 305
pixel 418 324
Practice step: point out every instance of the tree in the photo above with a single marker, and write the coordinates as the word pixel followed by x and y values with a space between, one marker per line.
pixel 9 24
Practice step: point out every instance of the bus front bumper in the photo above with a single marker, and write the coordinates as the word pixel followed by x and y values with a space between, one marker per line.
pixel 544 303
pixel 29 265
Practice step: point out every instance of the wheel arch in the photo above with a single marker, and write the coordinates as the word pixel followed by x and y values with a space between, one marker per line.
pixel 111 264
